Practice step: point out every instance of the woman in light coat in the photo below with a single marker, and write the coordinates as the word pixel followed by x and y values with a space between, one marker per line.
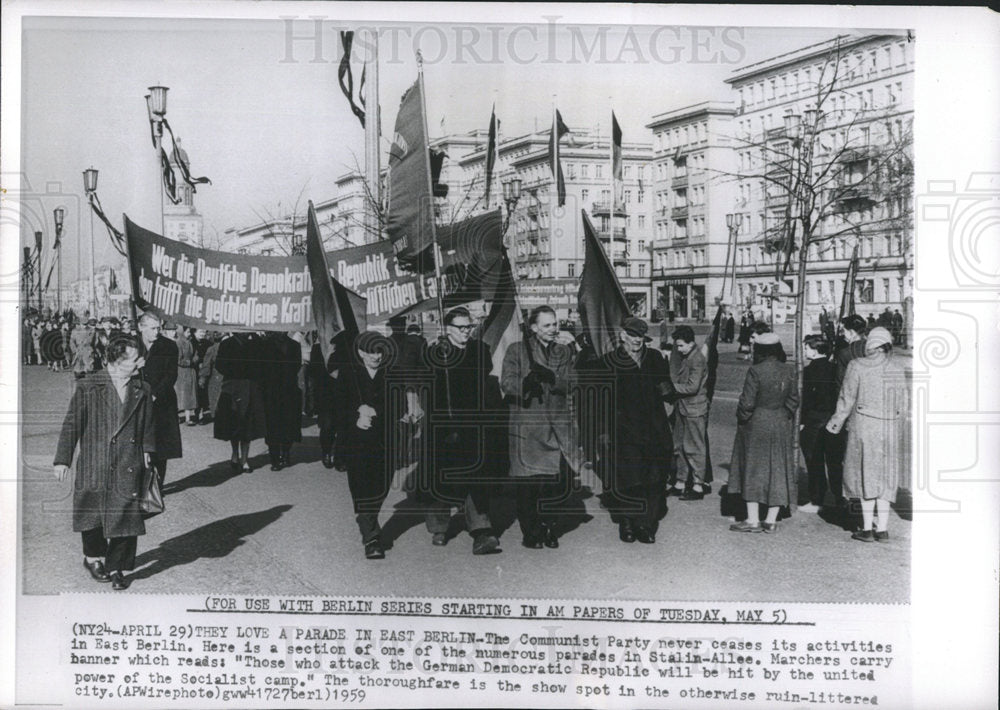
pixel 871 403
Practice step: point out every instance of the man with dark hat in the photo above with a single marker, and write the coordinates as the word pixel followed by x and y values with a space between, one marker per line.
pixel 641 445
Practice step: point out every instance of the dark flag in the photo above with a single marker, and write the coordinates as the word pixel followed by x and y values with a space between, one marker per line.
pixel 600 301
pixel 112 281
pixel 559 129
pixel 181 160
pixel 847 301
pixel 437 162
pixel 410 220
pixel 346 76
pixel 117 238
pixel 713 354
pixel 616 151
pixel 491 154
pixel 502 326
pixel 335 308
pixel 169 179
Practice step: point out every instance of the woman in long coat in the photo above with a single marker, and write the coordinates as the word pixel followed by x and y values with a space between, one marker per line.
pixel 281 361
pixel 186 385
pixel 209 378
pixel 115 434
pixel 872 402
pixel 240 416
pixel 763 464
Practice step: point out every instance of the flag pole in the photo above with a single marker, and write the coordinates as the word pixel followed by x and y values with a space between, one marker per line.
pixel 372 129
pixel 554 199
pixel 611 177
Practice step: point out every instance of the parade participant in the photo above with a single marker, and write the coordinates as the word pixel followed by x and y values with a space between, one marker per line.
pixel 281 360
pixel 360 392
pixel 463 447
pixel 641 459
pixel 689 373
pixel 745 332
pixel 409 356
pixel 201 343
pixel 37 329
pixel 321 378
pixel 51 342
pixel 27 344
pixel 898 338
pixel 82 345
pixel 852 346
pixel 186 386
pixel 159 370
pixel 763 465
pixel 239 415
pixel 872 402
pixel 111 418
pixel 67 344
pixel 209 378
pixel 819 399
pixel 537 378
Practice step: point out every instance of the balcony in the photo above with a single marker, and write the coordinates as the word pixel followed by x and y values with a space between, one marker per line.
pixel 602 208
pixel 858 154
pixel 858 196
pixel 679 212
pixel 679 182
pixel 777 198
pixel 611 234
pixel 533 233
pixel 620 257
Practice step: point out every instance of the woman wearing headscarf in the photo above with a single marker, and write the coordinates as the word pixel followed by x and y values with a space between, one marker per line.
pixel 871 403
pixel 763 464
pixel 240 416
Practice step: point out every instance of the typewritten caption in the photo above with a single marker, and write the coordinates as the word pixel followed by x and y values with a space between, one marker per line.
pixel 308 652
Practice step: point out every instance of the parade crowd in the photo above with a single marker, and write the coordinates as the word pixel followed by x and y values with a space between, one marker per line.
pixel 461 429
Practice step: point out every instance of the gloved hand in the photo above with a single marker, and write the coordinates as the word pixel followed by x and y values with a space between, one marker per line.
pixel 543 374
pixel 531 389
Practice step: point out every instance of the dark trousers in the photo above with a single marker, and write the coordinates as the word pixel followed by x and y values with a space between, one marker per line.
pixel 536 496
pixel 368 479
pixel 277 451
pixel 641 506
pixel 118 552
pixel 821 466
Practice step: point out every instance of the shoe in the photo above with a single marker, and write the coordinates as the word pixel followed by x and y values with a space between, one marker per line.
pixel 746 527
pixel 276 466
pixel 327 461
pixel 549 538
pixel 97 571
pixel 675 491
pixel 439 539
pixel 374 550
pixel 625 531
pixel 692 494
pixel 119 582
pixel 770 527
pixel 247 468
pixel 532 542
pixel 809 508
pixel 235 465
pixel 863 536
pixel 192 422
pixel 881 536
pixel 645 535
pixel 485 544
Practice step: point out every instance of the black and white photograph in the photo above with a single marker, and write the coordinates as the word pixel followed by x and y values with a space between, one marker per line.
pixel 322 303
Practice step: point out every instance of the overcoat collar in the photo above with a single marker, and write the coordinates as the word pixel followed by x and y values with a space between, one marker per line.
pixel 134 394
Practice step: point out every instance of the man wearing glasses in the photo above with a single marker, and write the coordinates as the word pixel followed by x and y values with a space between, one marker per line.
pixel 463 442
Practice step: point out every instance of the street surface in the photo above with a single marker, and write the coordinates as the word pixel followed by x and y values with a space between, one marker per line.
pixel 293 532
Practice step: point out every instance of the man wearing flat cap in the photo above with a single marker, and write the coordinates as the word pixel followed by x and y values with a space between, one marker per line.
pixel 642 451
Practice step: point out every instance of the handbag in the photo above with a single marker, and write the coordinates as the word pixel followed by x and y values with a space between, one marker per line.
pixel 150 495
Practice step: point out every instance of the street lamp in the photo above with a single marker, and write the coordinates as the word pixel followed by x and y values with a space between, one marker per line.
pixel 38 256
pixel 734 221
pixel 156 104
pixel 511 196
pixel 90 187
pixel 58 215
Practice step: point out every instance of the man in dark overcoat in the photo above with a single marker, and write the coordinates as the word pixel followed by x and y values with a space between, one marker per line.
pixel 159 370
pixel 642 450
pixel 111 418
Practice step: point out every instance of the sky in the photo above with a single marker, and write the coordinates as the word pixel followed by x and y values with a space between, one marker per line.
pixel 261 113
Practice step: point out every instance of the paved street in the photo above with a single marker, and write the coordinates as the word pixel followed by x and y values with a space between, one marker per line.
pixel 293 532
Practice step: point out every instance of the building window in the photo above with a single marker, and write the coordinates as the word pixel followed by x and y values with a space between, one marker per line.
pixel 642 221
pixel 599 171
pixel 584 172
pixel 571 269
pixel 628 197
pixel 885 291
pixel 584 194
pixel 642 245
pixel 639 196
pixel 642 270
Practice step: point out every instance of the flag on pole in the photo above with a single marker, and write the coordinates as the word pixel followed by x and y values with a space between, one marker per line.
pixel 410 218
pixel 181 160
pixel 559 129
pixel 438 189
pixel 847 301
pixel 491 154
pixel 712 356
pixel 345 76
pixel 502 327
pixel 335 308
pixel 616 154
pixel 112 281
pixel 600 301
pixel 169 179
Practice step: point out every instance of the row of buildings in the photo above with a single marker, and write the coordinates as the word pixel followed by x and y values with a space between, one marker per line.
pixel 819 138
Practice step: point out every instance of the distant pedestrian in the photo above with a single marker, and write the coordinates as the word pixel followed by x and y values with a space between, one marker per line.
pixel 872 403
pixel 819 400
pixel 763 467
pixel 110 417
pixel 186 386
pixel 729 331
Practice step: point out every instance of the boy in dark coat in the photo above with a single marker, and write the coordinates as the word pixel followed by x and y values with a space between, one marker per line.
pixel 111 418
